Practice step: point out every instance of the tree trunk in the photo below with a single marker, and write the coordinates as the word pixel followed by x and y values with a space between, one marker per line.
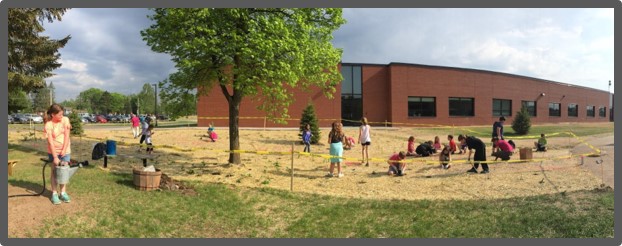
pixel 234 131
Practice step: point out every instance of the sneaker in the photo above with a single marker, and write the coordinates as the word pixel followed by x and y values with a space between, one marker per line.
pixel 340 175
pixel 472 170
pixel 367 164
pixel 329 175
pixel 55 199
pixel 484 171
pixel 65 197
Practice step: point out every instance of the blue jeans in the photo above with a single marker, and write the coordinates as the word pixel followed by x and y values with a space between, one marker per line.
pixel 307 147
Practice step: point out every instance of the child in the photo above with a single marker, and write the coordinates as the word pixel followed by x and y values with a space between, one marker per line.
pixel 425 149
pixel 445 157
pixel 306 138
pixel 504 149
pixel 211 134
pixel 395 166
pixel 437 143
pixel 335 140
pixel 463 147
pixel 452 144
pixel 411 147
pixel 349 143
pixel 541 144
pixel 148 135
pixel 365 140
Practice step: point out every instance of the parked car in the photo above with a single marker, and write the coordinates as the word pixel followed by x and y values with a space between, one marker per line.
pixel 10 119
pixel 86 119
pixel 35 118
pixel 123 118
pixel 101 119
pixel 20 118
pixel 163 117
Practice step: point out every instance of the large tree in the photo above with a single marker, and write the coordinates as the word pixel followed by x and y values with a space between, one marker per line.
pixel 147 99
pixel 249 52
pixel 41 99
pixel 31 57
pixel 89 100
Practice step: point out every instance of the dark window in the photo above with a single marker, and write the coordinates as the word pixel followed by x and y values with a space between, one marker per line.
pixel 573 110
pixel 421 107
pixel 590 111
pixel 351 95
pixel 461 106
pixel 501 107
pixel 531 107
pixel 554 109
pixel 601 111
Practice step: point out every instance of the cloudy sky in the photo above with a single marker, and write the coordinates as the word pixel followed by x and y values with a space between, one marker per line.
pixel 573 46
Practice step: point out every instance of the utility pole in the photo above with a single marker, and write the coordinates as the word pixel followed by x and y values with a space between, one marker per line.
pixel 138 105
pixel 156 104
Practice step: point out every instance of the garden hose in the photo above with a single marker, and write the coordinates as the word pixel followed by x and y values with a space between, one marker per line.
pixel 46 161
pixel 42 174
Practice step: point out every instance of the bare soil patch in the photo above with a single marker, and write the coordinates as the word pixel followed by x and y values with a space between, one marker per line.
pixel 183 154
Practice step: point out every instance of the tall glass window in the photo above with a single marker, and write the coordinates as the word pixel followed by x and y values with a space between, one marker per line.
pixel 601 111
pixel 421 107
pixel 590 111
pixel 573 110
pixel 461 106
pixel 530 106
pixel 501 107
pixel 555 109
pixel 351 95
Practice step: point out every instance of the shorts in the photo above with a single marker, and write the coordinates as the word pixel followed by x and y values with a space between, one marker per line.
pixel 366 143
pixel 66 157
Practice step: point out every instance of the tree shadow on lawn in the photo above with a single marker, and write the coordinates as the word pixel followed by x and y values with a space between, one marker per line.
pixel 22 148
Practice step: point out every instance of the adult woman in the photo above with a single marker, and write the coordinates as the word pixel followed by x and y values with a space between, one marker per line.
pixel 57 129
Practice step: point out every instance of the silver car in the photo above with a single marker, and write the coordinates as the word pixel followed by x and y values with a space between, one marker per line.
pixel 35 118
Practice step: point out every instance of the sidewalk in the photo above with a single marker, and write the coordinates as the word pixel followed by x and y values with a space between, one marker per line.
pixel 604 170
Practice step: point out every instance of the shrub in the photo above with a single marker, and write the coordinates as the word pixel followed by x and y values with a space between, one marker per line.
pixel 309 117
pixel 76 124
pixel 522 122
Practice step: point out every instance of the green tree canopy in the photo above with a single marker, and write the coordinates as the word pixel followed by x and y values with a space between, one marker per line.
pixel 32 57
pixel 89 100
pixel 41 99
pixel 18 101
pixel 248 52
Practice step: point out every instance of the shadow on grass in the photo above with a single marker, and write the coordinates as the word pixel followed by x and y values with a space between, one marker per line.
pixel 124 179
pixel 27 149
pixel 29 187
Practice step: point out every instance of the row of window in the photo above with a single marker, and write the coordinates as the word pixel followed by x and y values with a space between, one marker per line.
pixel 465 106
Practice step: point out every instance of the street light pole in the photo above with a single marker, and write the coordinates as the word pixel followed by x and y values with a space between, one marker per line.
pixel 610 101
pixel 156 104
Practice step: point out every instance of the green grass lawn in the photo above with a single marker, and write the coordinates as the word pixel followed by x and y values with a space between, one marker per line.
pixel 115 209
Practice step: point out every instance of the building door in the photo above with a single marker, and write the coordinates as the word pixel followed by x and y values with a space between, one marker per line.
pixel 351 95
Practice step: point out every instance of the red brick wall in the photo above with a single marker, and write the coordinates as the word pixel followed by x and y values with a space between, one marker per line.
pixel 375 93
pixel 215 105
pixel 386 89
pixel 442 83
